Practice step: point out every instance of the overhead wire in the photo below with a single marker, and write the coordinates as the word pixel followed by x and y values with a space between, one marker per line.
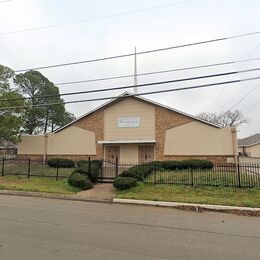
pixel 155 72
pixel 139 53
pixel 251 108
pixel 138 86
pixel 225 88
pixel 244 97
pixel 92 19
pixel 133 95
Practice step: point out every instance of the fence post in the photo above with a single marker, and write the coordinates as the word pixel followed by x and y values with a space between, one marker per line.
pixel 116 166
pixel 57 170
pixel 89 166
pixel 29 168
pixel 3 166
pixel 154 170
pixel 238 175
pixel 101 174
pixel 192 180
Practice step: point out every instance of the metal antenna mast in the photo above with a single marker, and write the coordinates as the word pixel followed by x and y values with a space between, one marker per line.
pixel 135 74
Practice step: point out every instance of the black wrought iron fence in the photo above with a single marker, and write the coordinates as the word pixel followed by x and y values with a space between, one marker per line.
pixel 227 175
pixel 31 168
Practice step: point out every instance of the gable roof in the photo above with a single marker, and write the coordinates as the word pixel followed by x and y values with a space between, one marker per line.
pixel 249 141
pixel 128 94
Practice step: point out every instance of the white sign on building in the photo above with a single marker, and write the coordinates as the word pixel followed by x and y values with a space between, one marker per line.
pixel 128 122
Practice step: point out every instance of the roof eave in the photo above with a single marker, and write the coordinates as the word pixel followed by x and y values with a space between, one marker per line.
pixel 128 94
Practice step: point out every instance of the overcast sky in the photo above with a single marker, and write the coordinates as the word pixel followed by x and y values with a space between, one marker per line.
pixel 113 27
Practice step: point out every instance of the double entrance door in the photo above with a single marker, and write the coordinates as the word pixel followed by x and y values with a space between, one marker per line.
pixel 111 153
pixel 145 153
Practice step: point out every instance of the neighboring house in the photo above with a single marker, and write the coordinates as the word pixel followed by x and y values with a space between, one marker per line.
pixel 8 150
pixel 134 129
pixel 249 146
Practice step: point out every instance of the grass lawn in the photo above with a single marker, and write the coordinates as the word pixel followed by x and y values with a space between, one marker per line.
pixel 38 184
pixel 202 195
pixel 36 168
pixel 204 177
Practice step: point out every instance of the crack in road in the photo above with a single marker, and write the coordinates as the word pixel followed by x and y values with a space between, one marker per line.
pixel 183 229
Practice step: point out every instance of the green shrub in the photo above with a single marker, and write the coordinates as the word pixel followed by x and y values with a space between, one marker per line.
pixel 79 180
pixel 198 164
pixel 92 173
pixel 82 163
pixel 98 163
pixel 138 172
pixel 123 183
pixel 62 163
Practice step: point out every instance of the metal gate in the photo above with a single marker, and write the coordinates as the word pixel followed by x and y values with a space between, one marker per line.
pixel 109 171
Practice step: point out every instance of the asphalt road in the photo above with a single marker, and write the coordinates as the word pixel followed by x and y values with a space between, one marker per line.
pixel 35 228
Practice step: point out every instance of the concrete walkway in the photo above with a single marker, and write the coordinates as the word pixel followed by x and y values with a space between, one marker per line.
pixel 100 192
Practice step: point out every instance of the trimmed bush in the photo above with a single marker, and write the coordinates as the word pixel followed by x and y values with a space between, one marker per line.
pixel 82 163
pixel 139 172
pixel 92 174
pixel 79 180
pixel 198 164
pixel 98 163
pixel 181 165
pixel 123 183
pixel 62 163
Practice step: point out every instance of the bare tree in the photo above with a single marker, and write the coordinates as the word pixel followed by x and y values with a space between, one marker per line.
pixel 225 119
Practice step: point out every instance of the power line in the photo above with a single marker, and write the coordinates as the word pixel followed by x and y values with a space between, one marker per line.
pixel 155 72
pixel 133 95
pixel 140 53
pixel 244 97
pixel 225 88
pixel 5 1
pixel 92 19
pixel 130 86
pixel 248 110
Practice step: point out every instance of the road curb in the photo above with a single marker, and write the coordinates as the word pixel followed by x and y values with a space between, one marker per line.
pixel 194 207
pixel 177 205
pixel 52 196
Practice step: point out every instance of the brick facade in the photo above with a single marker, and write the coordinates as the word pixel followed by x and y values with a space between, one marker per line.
pixel 94 122
pixel 40 158
pixel 33 157
pixel 213 158
pixel 165 119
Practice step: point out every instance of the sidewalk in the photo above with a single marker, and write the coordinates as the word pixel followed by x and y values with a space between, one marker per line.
pixel 104 193
pixel 246 211
pixel 101 192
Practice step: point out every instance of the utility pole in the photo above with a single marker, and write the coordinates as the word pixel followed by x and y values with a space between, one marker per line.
pixel 135 74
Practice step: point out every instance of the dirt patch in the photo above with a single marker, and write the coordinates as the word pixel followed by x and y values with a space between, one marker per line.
pixel 230 211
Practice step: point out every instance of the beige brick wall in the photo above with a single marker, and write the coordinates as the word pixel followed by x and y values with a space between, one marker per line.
pixel 94 122
pixel 37 157
pixel 165 119
pixel 129 107
pixel 213 158
pixel 33 157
